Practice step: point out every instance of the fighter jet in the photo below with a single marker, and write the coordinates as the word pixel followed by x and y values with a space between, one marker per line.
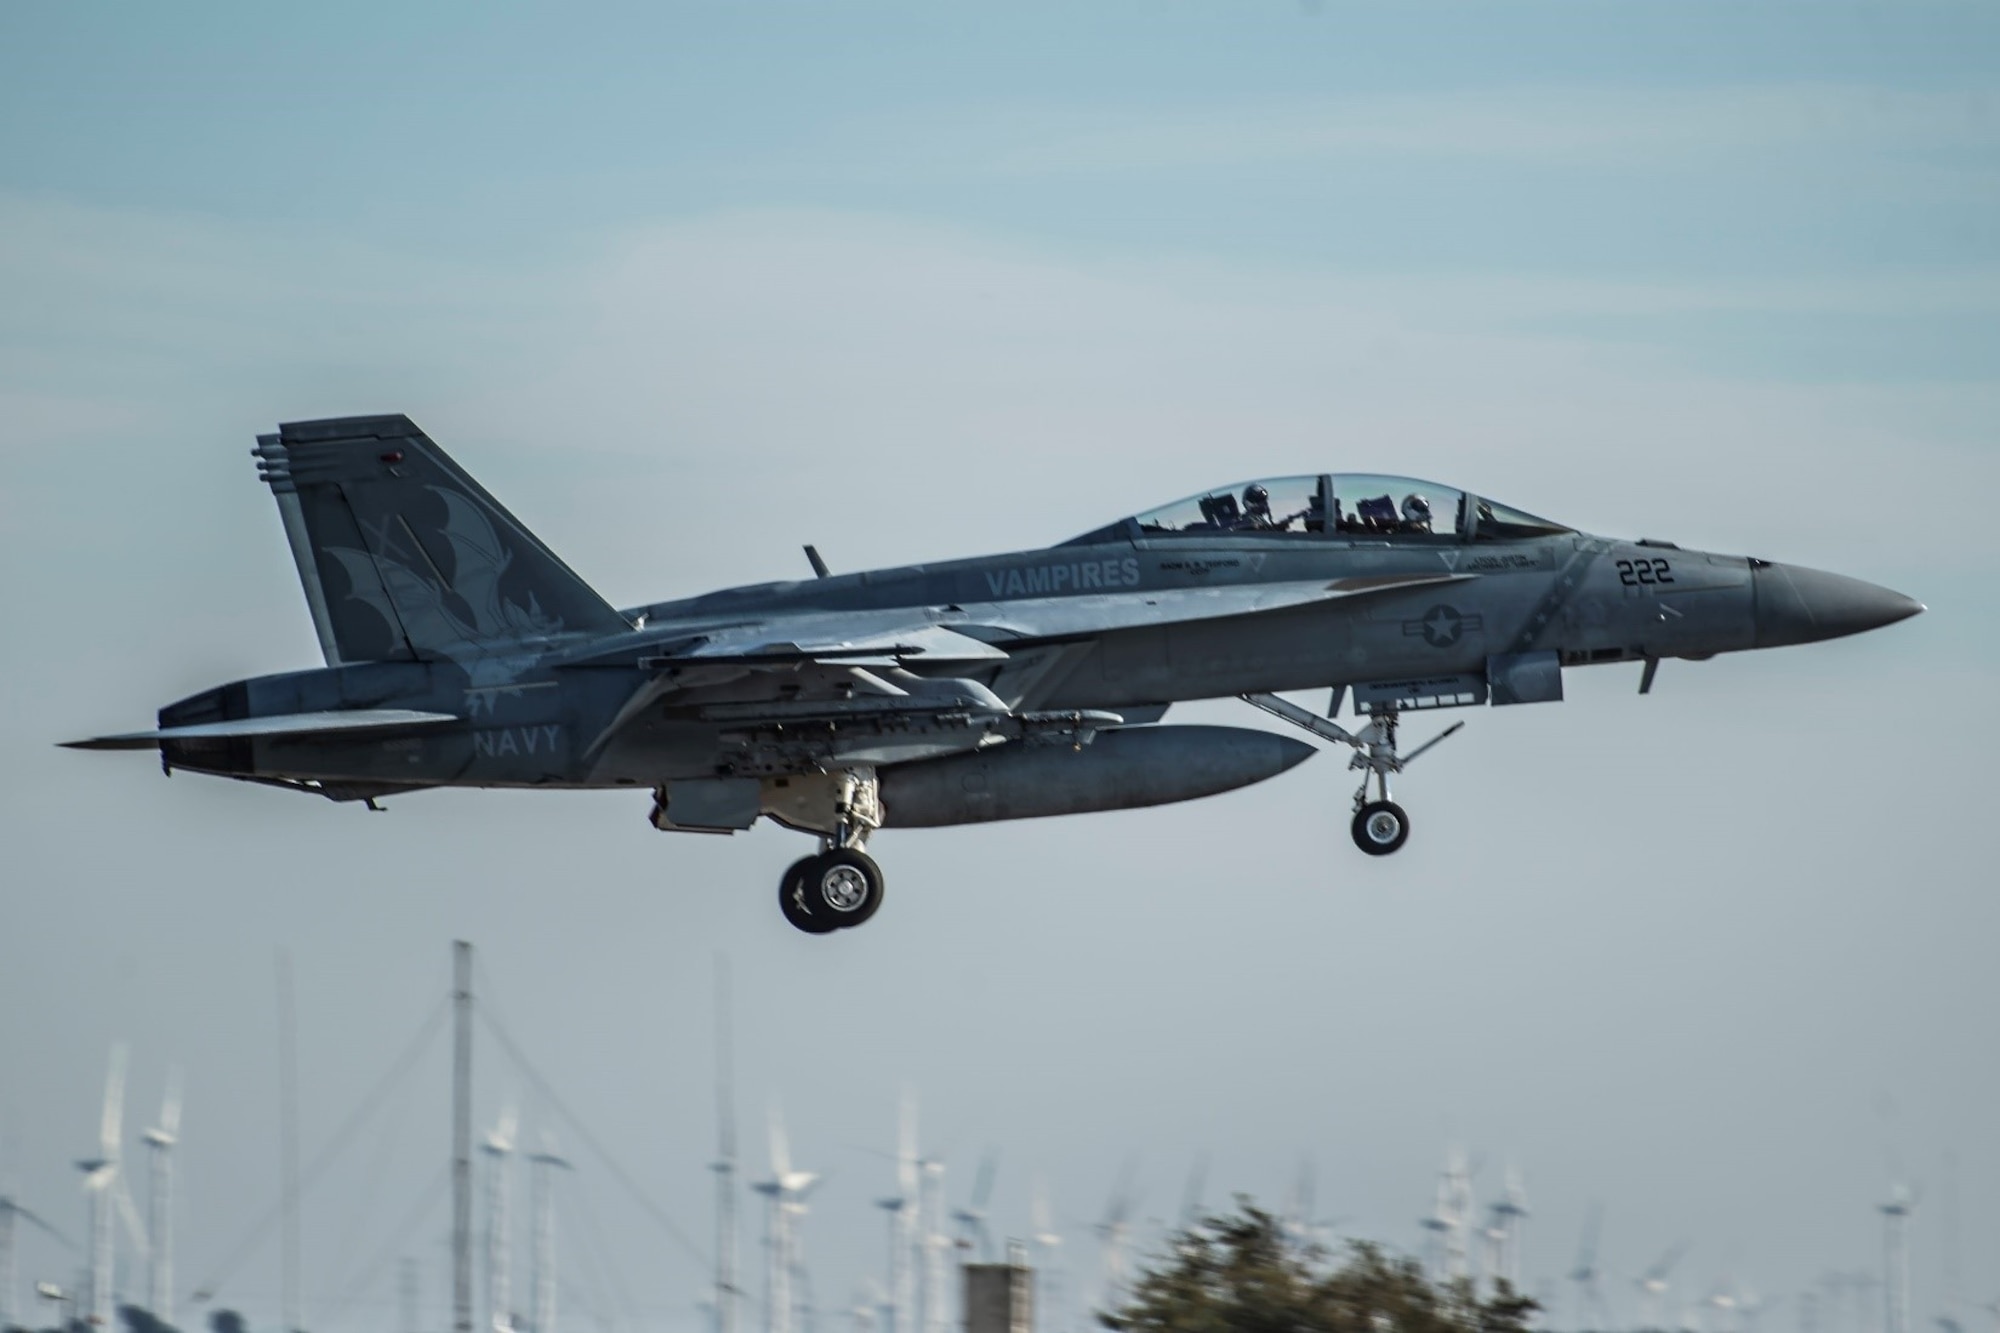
pixel 461 652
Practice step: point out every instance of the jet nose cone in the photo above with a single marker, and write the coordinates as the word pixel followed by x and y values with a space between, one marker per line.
pixel 1800 605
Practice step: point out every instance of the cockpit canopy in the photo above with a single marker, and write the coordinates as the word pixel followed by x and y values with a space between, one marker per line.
pixel 1351 505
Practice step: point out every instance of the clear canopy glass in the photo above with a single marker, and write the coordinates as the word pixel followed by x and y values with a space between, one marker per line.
pixel 1366 505
pixel 1277 505
pixel 1499 523
pixel 1356 505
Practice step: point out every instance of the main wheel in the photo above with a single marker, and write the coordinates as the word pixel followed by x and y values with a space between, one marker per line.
pixel 843 886
pixel 1380 827
pixel 793 903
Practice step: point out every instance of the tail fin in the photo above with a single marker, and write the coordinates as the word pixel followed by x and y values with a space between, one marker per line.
pixel 404 556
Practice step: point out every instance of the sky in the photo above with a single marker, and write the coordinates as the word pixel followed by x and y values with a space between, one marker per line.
pixel 689 285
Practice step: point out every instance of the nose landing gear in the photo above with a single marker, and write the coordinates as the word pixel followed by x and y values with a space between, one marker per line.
pixel 1380 826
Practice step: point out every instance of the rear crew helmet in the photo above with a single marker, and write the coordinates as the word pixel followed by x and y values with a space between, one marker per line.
pixel 1416 509
pixel 1256 497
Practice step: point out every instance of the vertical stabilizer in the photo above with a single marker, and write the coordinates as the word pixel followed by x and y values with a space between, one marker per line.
pixel 404 556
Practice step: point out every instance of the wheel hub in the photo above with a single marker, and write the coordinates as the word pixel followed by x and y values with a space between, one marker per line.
pixel 844 888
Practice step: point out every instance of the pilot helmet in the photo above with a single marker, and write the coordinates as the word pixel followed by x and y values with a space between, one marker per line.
pixel 1416 509
pixel 1256 497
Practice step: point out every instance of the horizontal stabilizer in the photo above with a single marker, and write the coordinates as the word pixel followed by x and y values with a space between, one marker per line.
pixel 287 724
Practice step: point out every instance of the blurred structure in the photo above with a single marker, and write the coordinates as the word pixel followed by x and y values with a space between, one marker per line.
pixel 1000 1298
pixel 161 1141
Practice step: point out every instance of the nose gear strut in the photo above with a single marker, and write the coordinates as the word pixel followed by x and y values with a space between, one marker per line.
pixel 1380 826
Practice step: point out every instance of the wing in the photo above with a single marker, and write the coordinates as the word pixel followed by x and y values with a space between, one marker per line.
pixel 849 638
pixel 970 633
pixel 929 679
pixel 1064 617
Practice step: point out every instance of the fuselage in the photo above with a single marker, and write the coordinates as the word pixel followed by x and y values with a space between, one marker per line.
pixel 535 718
pixel 462 651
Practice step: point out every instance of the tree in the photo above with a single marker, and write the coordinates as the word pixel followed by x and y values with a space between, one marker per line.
pixel 140 1320
pixel 1239 1274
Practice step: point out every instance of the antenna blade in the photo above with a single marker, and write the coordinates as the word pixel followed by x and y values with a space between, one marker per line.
pixel 781 1157
pixel 906 1145
pixel 1191 1197
pixel 1120 1206
pixel 170 1110
pixel 110 1129
pixel 982 1189
pixel 725 1090
pixel 130 1213
pixel 1593 1222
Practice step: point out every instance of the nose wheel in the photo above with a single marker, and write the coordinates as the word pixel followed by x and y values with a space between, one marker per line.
pixel 1380 826
pixel 835 890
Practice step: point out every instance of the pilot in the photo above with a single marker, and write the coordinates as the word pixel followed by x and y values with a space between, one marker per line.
pixel 1416 514
pixel 1256 507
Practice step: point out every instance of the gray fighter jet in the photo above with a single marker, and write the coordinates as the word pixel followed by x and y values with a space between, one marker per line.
pixel 461 652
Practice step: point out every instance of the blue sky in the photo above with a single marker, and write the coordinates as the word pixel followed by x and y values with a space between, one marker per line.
pixel 690 285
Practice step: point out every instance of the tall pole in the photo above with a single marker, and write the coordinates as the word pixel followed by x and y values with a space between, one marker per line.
pixel 1457 1259
pixel 461 1139
pixel 160 1233
pixel 288 1135
pixel 102 1256
pixel 1896 1287
pixel 499 1149
pixel 896 1298
pixel 904 1259
pixel 8 1309
pixel 407 1291
pixel 934 1241
pixel 100 1173
pixel 543 1280
pixel 1952 1294
pixel 725 1165
pixel 777 1260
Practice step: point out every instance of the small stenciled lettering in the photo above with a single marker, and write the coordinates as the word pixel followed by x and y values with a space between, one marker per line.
pixel 1056 580
pixel 1201 568
pixel 1502 561
pixel 501 742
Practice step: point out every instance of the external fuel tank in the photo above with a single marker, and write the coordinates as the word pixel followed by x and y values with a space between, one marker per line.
pixel 1122 769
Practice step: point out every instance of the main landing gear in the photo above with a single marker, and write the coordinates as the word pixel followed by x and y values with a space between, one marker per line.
pixel 841 886
pixel 1379 826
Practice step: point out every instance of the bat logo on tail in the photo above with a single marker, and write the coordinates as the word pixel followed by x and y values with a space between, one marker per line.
pixel 463 617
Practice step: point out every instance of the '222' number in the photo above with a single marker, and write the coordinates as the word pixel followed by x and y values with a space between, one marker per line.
pixel 1633 573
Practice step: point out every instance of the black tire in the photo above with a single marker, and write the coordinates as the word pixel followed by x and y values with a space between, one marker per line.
pixel 1380 827
pixel 792 898
pixel 843 886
